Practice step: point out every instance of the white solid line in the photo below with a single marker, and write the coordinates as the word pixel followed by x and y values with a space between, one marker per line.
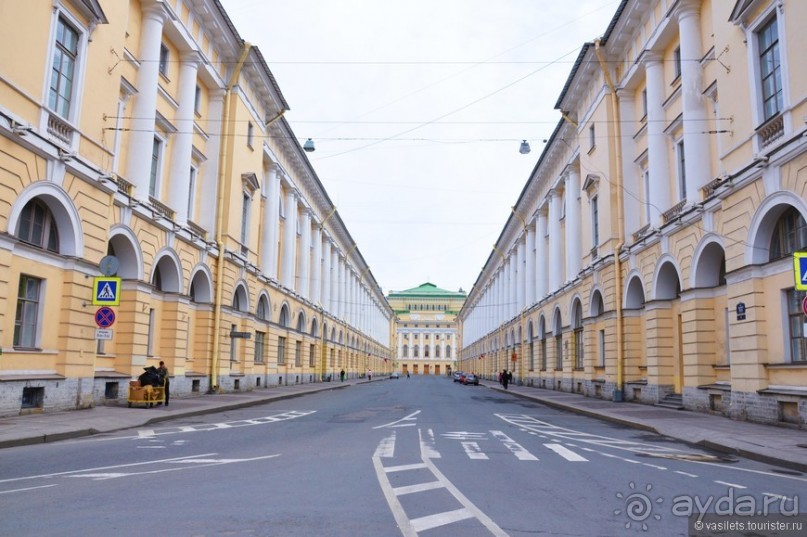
pixel 25 489
pixel 655 466
pixel 395 506
pixel 685 473
pixel 405 418
pixel 771 494
pixel 386 448
pixel 566 453
pixel 478 513
pixel 405 467
pixel 731 484
pixel 440 519
pixel 421 487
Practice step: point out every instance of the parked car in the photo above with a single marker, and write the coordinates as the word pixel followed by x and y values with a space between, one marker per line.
pixel 470 378
pixel 457 375
pixel 394 375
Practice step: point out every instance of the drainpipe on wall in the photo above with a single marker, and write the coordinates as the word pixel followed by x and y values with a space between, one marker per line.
pixel 223 167
pixel 618 394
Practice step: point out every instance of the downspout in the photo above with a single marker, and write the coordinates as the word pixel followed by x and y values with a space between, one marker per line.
pixel 223 167
pixel 620 328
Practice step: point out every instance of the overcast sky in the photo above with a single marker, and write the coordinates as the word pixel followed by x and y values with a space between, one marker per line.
pixel 417 109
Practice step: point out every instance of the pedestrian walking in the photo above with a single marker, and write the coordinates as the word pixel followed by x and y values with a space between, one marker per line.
pixel 342 375
pixel 369 374
pixel 505 378
pixel 162 371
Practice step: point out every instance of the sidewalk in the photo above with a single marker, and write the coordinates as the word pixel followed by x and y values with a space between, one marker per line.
pixel 54 426
pixel 770 444
pixel 765 443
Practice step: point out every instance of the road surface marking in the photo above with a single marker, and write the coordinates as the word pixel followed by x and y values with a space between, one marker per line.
pixel 685 473
pixel 420 487
pixel 427 449
pixel 26 489
pixel 440 519
pixel 405 467
pixel 514 447
pixel 733 485
pixel 386 448
pixel 566 453
pixel 401 422
pixel 473 451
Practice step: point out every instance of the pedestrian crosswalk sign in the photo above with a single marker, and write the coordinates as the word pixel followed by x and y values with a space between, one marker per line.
pixel 800 270
pixel 106 291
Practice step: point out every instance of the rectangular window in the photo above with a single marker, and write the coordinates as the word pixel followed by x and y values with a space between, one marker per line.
pixel 250 133
pixel 150 339
pixel 676 63
pixel 281 350
pixel 647 206
pixel 65 55
pixel 164 60
pixel 770 69
pixel 156 157
pixel 559 352
pixel 592 137
pixel 260 340
pixel 197 101
pixel 298 353
pixel 312 355
pixel 233 343
pixel 601 361
pixel 682 174
pixel 595 221
pixel 27 317
pixel 192 192
pixel 578 348
pixel 543 354
pixel 797 335
pixel 644 103
pixel 245 207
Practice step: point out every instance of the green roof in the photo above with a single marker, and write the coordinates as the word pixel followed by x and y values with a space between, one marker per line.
pixel 428 290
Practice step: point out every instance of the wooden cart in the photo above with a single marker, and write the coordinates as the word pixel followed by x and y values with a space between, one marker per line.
pixel 145 395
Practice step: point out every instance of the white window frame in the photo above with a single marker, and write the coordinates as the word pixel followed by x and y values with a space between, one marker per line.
pixel 680 160
pixel 150 338
pixel 156 188
pixel 192 185
pixel 36 327
pixel 755 80
pixel 595 217
pixel 79 69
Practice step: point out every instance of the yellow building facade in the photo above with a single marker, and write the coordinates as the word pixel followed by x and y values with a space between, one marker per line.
pixel 650 256
pixel 426 331
pixel 150 135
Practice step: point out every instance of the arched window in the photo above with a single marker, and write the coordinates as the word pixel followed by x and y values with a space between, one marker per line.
pixel 263 309
pixel 448 351
pixel 789 235
pixel 301 322
pixel 38 227
pixel 283 320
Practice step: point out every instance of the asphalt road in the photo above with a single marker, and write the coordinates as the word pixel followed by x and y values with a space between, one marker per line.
pixel 420 456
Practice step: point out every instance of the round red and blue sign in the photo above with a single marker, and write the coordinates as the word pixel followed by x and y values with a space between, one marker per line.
pixel 104 317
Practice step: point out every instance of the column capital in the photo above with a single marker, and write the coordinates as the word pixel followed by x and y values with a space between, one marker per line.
pixel 155 11
pixel 650 58
pixel 191 58
pixel 687 8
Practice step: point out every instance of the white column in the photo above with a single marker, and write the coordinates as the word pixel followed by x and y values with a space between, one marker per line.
pixel 316 269
pixel 144 111
pixel 179 177
pixel 521 272
pixel 342 289
pixel 289 246
pixel 529 267
pixel 659 195
pixel 334 303
pixel 304 257
pixel 696 141
pixel 631 178
pixel 210 176
pixel 573 240
pixel 555 261
pixel 271 220
pixel 541 259
pixel 512 261
pixel 325 299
